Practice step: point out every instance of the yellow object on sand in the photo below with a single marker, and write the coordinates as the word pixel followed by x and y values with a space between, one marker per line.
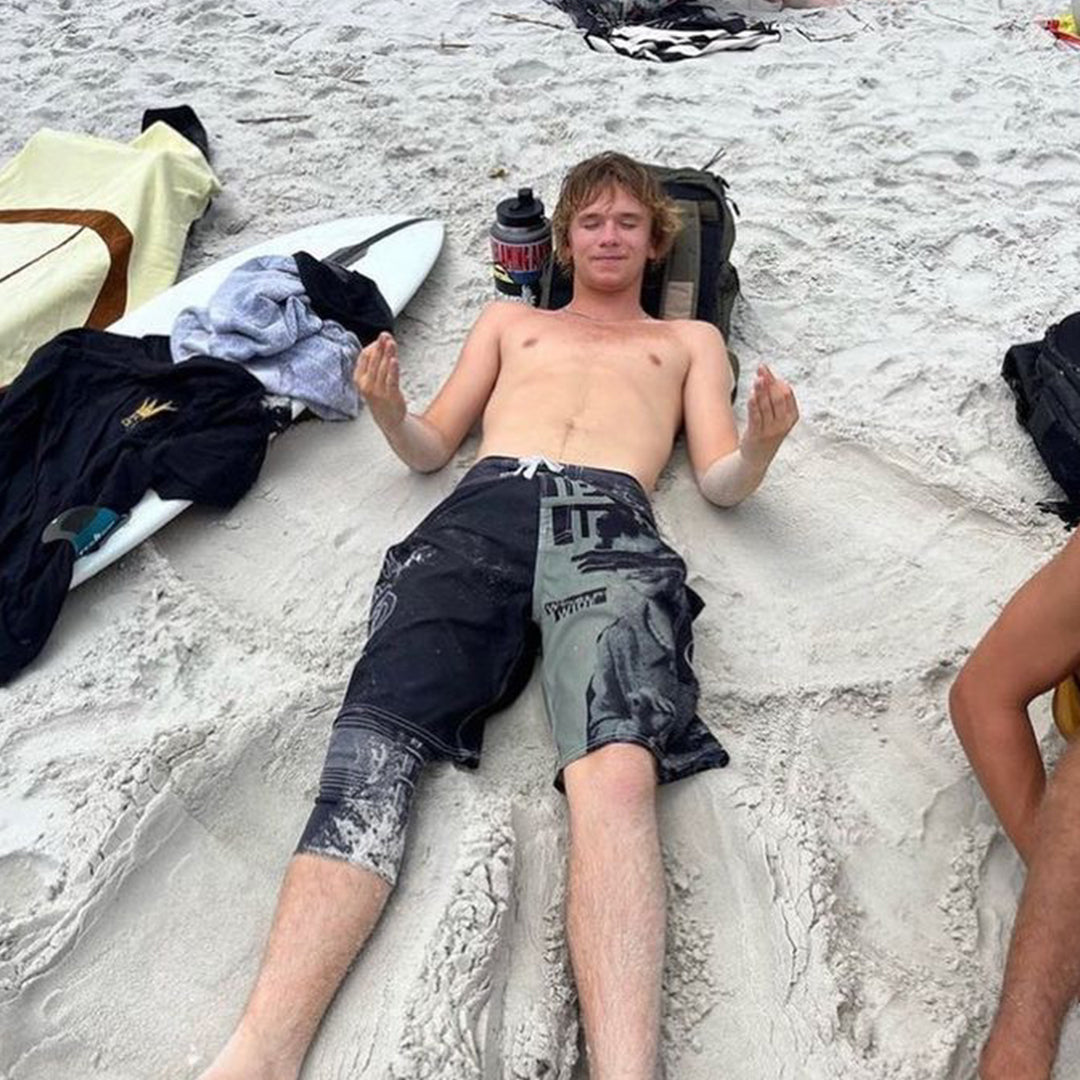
pixel 1066 707
pixel 1064 27
pixel 90 229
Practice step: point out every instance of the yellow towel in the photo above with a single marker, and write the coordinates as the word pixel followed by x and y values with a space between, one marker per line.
pixel 1066 707
pixel 90 229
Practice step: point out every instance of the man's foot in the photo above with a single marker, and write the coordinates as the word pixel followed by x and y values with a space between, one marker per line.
pixel 1006 1058
pixel 241 1058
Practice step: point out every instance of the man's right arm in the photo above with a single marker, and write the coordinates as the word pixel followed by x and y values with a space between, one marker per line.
pixel 1032 646
pixel 426 442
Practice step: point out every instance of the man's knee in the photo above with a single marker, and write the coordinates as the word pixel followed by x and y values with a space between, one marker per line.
pixel 365 796
pixel 619 777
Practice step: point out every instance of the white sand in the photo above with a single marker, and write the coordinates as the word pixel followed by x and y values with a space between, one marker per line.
pixel 840 897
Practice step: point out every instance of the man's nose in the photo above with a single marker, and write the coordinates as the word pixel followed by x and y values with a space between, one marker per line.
pixel 608 232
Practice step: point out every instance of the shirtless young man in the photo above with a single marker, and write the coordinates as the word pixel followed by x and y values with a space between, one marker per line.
pixel 1032 647
pixel 529 550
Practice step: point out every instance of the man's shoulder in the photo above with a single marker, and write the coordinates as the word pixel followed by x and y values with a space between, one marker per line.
pixel 503 313
pixel 697 333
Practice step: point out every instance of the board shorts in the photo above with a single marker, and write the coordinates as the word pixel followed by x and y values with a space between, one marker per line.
pixel 528 557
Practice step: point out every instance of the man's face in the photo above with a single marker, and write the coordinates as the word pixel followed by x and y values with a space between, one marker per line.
pixel 610 239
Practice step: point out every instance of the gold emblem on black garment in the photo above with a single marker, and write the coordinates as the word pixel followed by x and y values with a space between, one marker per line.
pixel 149 408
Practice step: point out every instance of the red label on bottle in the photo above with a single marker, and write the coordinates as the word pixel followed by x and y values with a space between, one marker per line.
pixel 521 261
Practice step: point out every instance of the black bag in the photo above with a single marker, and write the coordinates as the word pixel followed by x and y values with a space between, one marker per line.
pixel 697 279
pixel 1045 377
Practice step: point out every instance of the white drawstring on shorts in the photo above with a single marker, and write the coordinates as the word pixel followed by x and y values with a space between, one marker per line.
pixel 527 466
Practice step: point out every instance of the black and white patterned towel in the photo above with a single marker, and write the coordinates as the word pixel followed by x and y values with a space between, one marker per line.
pixel 664 46
pixel 665 30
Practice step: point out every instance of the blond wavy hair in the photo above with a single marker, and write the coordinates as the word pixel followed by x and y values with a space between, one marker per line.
pixel 596 175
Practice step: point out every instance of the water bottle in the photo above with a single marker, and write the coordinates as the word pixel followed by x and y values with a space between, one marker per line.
pixel 520 244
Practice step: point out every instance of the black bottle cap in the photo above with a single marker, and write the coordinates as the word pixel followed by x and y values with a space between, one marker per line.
pixel 521 211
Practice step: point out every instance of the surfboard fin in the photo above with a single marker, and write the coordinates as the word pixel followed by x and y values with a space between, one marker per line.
pixel 348 256
pixel 84 527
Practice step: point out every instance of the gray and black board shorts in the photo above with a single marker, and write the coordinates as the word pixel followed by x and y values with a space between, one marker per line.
pixel 527 557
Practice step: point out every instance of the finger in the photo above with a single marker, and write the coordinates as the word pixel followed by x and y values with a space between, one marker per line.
pixel 372 354
pixel 778 398
pixel 761 401
pixel 765 404
pixel 360 370
pixel 794 409
pixel 753 415
pixel 787 396
pixel 374 374
pixel 392 378
pixel 390 362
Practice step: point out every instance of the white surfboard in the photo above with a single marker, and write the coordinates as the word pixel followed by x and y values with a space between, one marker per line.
pixel 397 262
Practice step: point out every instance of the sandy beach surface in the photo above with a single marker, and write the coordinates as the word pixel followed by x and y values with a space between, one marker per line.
pixel 840 897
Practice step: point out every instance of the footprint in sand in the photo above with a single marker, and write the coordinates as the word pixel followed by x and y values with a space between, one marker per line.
pixel 524 71
pixel 447 1019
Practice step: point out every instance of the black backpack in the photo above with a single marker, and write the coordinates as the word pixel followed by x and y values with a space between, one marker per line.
pixel 696 280
pixel 1045 377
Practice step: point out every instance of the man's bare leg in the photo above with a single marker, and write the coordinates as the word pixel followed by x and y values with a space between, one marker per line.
pixel 326 910
pixel 616 908
pixel 1042 976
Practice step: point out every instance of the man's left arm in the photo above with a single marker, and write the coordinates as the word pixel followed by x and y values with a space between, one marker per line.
pixel 729 467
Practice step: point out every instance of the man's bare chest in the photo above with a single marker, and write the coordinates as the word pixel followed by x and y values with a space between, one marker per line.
pixel 646 353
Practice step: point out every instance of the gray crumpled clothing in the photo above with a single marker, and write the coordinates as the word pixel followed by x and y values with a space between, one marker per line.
pixel 261 317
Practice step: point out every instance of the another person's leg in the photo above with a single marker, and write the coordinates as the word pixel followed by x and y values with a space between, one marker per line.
pixel 1032 645
pixel 616 908
pixel 1042 977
